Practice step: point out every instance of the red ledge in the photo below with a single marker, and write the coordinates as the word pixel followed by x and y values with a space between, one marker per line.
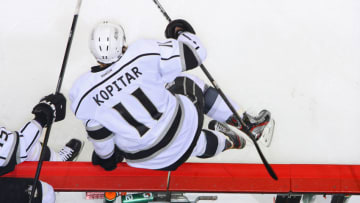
pixel 198 177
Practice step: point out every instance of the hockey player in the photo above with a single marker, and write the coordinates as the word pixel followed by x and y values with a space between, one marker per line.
pixel 24 145
pixel 138 105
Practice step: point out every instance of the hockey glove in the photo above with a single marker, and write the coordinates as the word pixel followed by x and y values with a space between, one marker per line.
pixel 176 27
pixel 110 163
pixel 50 108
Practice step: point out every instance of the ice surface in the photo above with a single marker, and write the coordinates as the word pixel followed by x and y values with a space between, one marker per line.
pixel 299 59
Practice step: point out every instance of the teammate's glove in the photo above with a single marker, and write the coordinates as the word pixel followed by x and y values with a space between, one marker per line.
pixel 176 27
pixel 50 108
pixel 110 163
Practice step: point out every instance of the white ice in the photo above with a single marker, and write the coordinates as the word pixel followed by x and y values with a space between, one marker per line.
pixel 299 59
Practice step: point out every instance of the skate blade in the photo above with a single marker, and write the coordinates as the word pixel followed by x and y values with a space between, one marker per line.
pixel 268 133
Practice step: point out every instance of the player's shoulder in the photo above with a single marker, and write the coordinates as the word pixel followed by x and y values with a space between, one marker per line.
pixel 81 79
pixel 144 46
pixel 81 83
pixel 149 46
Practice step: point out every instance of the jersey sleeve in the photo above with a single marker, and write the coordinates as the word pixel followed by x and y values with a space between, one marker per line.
pixel 9 144
pixel 29 135
pixel 185 53
pixel 98 135
pixel 192 52
pixel 101 138
pixel 14 146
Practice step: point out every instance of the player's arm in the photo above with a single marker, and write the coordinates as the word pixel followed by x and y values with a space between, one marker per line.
pixel 105 152
pixel 192 52
pixel 14 146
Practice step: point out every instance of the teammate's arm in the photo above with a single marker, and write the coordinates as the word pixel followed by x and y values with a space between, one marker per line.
pixel 14 146
pixel 50 108
pixel 105 152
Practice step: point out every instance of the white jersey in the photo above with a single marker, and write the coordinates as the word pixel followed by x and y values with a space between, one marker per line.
pixel 127 103
pixel 18 144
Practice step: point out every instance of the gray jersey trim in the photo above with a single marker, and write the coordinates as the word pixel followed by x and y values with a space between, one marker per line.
pixel 163 133
pixel 169 144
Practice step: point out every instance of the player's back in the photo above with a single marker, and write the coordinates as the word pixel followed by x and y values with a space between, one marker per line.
pixel 129 97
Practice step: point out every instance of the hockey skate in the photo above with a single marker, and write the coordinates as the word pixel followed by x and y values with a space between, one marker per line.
pixel 71 150
pixel 262 126
pixel 237 142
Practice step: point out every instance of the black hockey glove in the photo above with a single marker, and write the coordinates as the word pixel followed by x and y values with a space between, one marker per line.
pixel 110 163
pixel 50 108
pixel 182 25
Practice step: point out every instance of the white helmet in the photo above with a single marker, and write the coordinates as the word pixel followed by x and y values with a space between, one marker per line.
pixel 106 42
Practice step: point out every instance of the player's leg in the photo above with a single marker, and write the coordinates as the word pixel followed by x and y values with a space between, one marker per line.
pixel 262 125
pixel 257 124
pixel 209 144
pixel 68 153
pixel 233 140
pixel 71 150
pixel 216 108
pixel 217 140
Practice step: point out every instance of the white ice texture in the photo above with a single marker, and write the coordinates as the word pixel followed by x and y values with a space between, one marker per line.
pixel 299 59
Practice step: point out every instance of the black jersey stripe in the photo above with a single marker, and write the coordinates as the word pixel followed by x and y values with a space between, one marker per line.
pixel 99 134
pixel 122 67
pixel 32 142
pixel 188 37
pixel 2 133
pixel 190 59
pixel 171 57
pixel 198 100
pixel 22 130
pixel 170 134
pixel 212 143
pixel 167 42
pixel 165 45
pixel 145 101
pixel 141 128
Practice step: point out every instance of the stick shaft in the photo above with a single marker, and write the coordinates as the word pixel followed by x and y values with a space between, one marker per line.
pixel 68 46
pixel 58 87
pixel 245 128
pixel 162 10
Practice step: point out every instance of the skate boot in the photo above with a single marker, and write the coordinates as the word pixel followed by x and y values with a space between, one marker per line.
pixel 233 141
pixel 71 150
pixel 262 126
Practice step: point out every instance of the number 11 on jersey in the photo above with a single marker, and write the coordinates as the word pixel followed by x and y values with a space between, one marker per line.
pixel 148 105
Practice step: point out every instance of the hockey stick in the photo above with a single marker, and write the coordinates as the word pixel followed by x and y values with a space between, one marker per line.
pixel 245 128
pixel 58 87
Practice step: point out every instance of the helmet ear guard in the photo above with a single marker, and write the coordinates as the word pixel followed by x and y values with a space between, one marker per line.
pixel 106 42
